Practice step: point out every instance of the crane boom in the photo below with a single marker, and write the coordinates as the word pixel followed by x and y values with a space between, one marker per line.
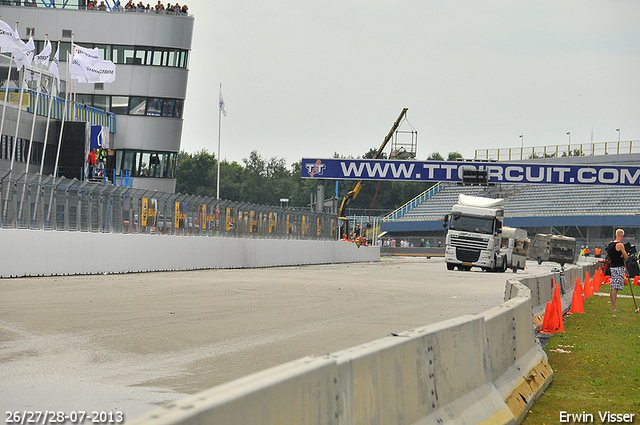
pixel 354 192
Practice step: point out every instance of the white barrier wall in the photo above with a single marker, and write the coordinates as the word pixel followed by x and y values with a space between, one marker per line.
pixel 475 369
pixel 41 253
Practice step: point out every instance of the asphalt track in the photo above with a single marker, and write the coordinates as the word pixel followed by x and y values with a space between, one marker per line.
pixel 128 342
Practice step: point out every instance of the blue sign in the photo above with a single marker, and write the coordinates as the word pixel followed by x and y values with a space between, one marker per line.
pixel 99 137
pixel 449 171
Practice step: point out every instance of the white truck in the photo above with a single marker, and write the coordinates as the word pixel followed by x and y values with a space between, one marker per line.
pixel 476 237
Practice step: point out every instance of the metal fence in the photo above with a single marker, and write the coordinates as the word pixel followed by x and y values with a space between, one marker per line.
pixel 557 151
pixel 38 202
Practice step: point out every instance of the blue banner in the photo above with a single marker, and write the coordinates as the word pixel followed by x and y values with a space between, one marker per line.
pixel 449 171
pixel 99 137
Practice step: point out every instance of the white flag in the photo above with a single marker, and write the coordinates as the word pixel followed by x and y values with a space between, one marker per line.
pixel 24 57
pixel 91 56
pixel 98 72
pixel 54 67
pixel 44 55
pixel 79 69
pixel 9 40
pixel 222 103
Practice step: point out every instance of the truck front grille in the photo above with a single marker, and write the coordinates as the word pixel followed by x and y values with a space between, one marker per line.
pixel 467 255
pixel 469 242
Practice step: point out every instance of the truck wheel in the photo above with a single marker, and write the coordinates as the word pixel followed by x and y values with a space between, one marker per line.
pixel 451 266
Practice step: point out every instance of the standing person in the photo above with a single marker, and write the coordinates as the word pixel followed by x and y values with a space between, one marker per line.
pixel 618 256
pixel 92 162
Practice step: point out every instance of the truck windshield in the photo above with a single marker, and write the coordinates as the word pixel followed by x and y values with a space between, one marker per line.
pixel 471 224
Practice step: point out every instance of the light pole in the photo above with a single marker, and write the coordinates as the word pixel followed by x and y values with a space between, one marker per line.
pixel 618 130
pixel 569 134
pixel 521 146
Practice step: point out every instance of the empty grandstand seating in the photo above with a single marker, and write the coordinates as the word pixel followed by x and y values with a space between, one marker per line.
pixel 535 201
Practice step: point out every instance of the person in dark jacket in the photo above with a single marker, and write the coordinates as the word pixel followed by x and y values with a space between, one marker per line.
pixel 618 256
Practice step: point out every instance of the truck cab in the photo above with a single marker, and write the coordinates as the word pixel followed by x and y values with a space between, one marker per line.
pixel 474 236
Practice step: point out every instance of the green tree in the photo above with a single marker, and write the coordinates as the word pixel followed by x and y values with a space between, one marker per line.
pixel 196 173
pixel 453 156
pixel 435 156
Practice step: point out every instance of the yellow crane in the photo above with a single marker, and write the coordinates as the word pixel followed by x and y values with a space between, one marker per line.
pixel 354 192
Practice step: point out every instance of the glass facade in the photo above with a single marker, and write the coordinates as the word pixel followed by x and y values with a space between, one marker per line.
pixel 127 55
pixel 22 151
pixel 146 163
pixel 134 105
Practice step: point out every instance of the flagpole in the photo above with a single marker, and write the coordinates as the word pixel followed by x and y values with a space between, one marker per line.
pixel 15 137
pixel 218 179
pixel 51 101
pixel 35 111
pixel 46 132
pixel 64 117
pixel 6 89
pixel 33 127
pixel 6 92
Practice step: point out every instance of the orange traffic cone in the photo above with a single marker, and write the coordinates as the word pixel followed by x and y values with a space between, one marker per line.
pixel 597 281
pixel 553 321
pixel 587 282
pixel 588 293
pixel 636 280
pixel 547 328
pixel 576 301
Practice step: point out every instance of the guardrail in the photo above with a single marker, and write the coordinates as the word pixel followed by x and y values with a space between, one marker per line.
pixel 475 369
pixel 556 151
pixel 81 112
pixel 35 202
pixel 414 202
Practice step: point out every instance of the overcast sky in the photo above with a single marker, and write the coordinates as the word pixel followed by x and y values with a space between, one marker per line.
pixel 307 79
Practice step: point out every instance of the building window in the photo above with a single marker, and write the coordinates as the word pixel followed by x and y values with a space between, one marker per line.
pixel 177 110
pixel 138 106
pixel 120 105
pixel 128 55
pixel 104 51
pixel 146 163
pixel 157 57
pixel 140 57
pixel 101 102
pixel 154 107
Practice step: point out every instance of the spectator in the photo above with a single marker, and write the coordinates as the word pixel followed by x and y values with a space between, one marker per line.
pixel 102 6
pixel 129 5
pixel 159 6
pixel 169 9
pixel 185 10
pixel 91 160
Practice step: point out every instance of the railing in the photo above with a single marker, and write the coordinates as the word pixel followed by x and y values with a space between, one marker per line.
pixel 109 5
pixel 46 203
pixel 413 203
pixel 82 112
pixel 557 151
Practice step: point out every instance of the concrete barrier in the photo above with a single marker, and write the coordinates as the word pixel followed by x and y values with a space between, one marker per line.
pixel 475 369
pixel 43 253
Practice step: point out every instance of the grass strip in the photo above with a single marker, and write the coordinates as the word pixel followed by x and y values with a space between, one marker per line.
pixel 599 370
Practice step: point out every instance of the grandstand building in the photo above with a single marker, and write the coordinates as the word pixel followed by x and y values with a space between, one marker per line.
pixel 143 106
pixel 588 213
